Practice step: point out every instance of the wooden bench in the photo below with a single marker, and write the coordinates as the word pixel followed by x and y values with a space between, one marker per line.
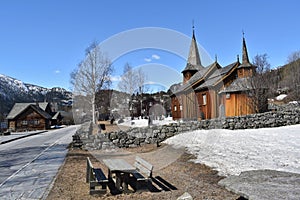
pixel 95 177
pixel 77 143
pixel 143 173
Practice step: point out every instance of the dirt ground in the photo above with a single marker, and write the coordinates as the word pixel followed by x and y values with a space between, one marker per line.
pixel 169 182
pixel 173 174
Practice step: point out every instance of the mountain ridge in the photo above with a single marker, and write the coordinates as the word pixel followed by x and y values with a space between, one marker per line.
pixel 14 91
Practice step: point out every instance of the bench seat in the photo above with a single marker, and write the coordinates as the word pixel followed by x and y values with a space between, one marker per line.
pixel 138 176
pixel 143 173
pixel 95 177
pixel 100 176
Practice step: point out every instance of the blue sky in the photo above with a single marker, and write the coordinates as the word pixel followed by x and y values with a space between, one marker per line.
pixel 42 41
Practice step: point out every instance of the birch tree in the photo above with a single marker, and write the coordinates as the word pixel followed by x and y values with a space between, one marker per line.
pixel 92 75
pixel 132 81
pixel 260 83
pixel 128 83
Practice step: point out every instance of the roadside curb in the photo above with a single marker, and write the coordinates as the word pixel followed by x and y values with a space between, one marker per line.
pixel 21 137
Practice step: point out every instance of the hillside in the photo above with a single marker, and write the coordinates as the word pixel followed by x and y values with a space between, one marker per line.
pixel 286 80
pixel 13 91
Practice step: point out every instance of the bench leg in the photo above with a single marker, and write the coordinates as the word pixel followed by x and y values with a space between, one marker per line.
pixel 104 185
pixel 118 180
pixel 125 182
pixel 109 174
pixel 94 190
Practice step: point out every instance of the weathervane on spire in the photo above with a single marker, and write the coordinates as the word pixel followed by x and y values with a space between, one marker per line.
pixel 193 26
pixel 243 33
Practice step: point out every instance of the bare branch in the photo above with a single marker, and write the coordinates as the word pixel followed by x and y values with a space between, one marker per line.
pixel 293 56
pixel 92 75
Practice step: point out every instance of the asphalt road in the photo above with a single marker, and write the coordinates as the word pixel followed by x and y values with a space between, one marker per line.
pixel 29 165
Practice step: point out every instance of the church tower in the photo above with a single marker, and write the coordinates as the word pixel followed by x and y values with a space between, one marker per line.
pixel 246 69
pixel 194 62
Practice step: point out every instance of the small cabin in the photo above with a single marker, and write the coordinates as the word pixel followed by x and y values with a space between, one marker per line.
pixel 29 117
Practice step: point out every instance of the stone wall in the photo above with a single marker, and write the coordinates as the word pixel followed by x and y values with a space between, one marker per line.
pixel 155 134
pixel 261 120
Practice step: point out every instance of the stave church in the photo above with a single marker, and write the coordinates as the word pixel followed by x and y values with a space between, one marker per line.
pixel 213 91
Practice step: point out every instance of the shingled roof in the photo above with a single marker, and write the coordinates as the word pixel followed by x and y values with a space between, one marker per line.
pixel 18 108
pixel 245 59
pixel 199 75
pixel 217 76
pixel 238 85
pixel 214 74
pixel 40 111
pixel 194 61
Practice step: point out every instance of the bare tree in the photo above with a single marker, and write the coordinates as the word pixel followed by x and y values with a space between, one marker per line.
pixel 260 83
pixel 291 77
pixel 132 81
pixel 128 81
pixel 141 78
pixel 262 64
pixel 92 75
pixel 293 57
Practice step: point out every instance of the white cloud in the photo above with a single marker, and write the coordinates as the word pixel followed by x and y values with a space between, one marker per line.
pixel 148 59
pixel 57 71
pixel 155 56
pixel 115 78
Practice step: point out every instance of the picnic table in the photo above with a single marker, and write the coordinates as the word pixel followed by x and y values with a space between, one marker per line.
pixel 122 170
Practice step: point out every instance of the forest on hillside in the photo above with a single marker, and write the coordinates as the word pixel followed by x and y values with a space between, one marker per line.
pixel 285 79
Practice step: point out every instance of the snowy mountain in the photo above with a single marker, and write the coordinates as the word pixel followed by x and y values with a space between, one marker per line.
pixel 13 91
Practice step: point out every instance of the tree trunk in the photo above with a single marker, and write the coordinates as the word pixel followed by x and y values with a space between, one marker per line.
pixel 93 109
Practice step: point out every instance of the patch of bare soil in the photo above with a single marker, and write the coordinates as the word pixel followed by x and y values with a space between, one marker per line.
pixel 111 127
pixel 168 183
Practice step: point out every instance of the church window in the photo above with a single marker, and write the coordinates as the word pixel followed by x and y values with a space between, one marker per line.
pixel 227 95
pixel 204 99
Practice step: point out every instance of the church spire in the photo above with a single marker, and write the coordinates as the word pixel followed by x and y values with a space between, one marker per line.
pixel 193 61
pixel 246 69
pixel 245 52
pixel 194 57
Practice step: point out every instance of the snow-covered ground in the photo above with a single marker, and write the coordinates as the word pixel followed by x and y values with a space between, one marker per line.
pixel 231 152
pixel 281 97
pixel 144 122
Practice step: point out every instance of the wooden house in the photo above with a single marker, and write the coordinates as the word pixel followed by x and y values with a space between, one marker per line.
pixel 29 117
pixel 213 91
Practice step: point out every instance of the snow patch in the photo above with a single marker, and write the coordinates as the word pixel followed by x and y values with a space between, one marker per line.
pixel 281 97
pixel 231 152
pixel 144 122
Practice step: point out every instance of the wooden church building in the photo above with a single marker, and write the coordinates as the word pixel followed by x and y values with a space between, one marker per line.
pixel 213 91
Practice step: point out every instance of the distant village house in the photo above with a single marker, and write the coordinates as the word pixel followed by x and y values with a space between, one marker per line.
pixel 32 116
